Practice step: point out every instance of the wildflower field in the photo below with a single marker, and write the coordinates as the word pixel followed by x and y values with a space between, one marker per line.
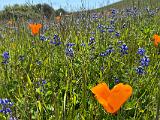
pixel 61 69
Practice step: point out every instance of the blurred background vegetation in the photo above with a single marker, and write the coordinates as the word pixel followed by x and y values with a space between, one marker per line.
pixel 30 11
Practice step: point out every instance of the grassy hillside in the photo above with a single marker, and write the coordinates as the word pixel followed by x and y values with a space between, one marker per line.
pixel 130 3
pixel 30 11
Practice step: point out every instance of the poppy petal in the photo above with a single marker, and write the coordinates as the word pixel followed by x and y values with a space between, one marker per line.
pixel 101 91
pixel 119 95
pixel 156 40
pixel 39 26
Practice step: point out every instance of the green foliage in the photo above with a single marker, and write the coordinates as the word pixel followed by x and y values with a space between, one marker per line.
pixel 60 11
pixel 47 10
pixel 30 11
pixel 18 11
pixel 66 95
pixel 131 3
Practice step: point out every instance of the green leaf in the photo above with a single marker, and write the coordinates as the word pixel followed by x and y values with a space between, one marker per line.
pixel 74 81
pixel 18 99
pixel 130 105
pixel 39 106
pixel 100 75
pixel 74 100
pixel 29 80
pixel 48 93
pixel 2 117
pixel 38 90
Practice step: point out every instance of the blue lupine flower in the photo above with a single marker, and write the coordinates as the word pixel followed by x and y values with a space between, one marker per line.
pixel 10 103
pixel 107 52
pixel 140 70
pixel 124 49
pixel 56 40
pixel 83 44
pixel 152 12
pixel 5 110
pixel 117 34
pixel 112 22
pixel 119 42
pixel 141 51
pixel 102 30
pixel 110 30
pixel 55 36
pixel 5 106
pixel 116 80
pixel 8 110
pixel 92 40
pixel 12 118
pixel 94 16
pixel 6 101
pixel 42 38
pixel 44 82
pixel 5 62
pixel 103 54
pixel 1 101
pixel 70 44
pixel 100 26
pixel 69 52
pixel 113 11
pixel 145 61
pixel 5 55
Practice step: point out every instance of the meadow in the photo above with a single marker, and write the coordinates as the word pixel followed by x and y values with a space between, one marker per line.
pixel 49 76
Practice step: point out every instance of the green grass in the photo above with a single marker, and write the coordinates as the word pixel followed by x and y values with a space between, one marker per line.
pixel 130 3
pixel 67 94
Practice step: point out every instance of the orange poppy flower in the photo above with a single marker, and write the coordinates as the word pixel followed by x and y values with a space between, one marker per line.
pixel 58 19
pixel 156 40
pixel 35 28
pixel 112 99
pixel 10 22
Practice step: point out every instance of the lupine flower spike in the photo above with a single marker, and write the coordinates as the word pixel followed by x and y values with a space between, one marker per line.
pixel 112 99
